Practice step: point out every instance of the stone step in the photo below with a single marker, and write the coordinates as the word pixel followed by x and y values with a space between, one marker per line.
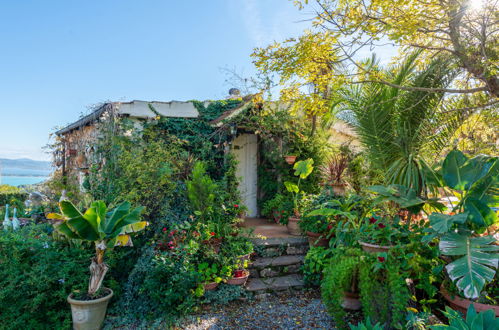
pixel 279 246
pixel 276 266
pixel 262 285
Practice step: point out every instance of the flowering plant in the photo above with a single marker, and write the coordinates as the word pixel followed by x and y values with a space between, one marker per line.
pixel 384 231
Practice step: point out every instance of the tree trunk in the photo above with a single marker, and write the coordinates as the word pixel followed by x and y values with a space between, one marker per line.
pixel 98 269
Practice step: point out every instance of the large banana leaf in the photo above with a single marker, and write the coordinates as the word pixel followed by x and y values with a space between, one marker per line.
pixel 303 168
pixel 478 264
pixel 442 223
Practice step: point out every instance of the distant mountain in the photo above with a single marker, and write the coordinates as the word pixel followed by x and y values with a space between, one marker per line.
pixel 24 167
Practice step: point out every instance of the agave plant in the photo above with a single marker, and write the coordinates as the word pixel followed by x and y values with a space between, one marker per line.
pixel 402 130
pixel 476 182
pixel 105 228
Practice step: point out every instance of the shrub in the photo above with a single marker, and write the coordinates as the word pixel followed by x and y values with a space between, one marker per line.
pixel 36 276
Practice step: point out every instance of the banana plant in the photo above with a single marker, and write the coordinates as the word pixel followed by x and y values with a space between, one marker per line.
pixel 105 228
pixel 475 182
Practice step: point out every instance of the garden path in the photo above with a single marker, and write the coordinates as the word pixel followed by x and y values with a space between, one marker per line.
pixel 264 227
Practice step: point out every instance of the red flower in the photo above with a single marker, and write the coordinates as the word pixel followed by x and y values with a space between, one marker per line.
pixel 372 220
pixel 380 225
pixel 381 259
pixel 164 229
pixel 236 206
pixel 212 234
pixel 329 227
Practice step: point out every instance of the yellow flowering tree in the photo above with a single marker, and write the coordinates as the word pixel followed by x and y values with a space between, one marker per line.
pixel 465 30
pixel 306 72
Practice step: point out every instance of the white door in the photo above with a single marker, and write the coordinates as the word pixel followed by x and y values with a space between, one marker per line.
pixel 245 149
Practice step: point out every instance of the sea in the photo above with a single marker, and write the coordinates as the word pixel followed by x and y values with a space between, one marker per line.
pixel 21 180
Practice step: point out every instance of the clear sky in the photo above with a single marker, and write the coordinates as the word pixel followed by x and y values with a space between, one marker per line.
pixel 59 57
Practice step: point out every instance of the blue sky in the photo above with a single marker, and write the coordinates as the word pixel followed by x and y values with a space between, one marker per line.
pixel 57 58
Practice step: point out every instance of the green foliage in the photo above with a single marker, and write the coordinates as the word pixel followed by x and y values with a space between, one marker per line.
pixel 10 194
pixel 340 276
pixel 201 190
pixel 401 130
pixel 475 181
pixel 485 320
pixel 36 276
pixel 316 260
pixel 278 208
pixel 98 224
pixel 302 171
pixel 366 325
pixel 225 294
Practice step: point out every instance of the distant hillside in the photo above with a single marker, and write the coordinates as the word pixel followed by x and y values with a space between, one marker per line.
pixel 24 167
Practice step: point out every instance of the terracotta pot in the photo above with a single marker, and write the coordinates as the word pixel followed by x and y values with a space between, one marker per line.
pixel 290 159
pixel 89 314
pixel 339 188
pixel 351 301
pixel 373 248
pixel 315 240
pixel 462 304
pixel 239 280
pixel 210 286
pixel 293 227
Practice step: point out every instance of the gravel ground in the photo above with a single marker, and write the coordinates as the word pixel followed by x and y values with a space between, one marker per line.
pixel 300 310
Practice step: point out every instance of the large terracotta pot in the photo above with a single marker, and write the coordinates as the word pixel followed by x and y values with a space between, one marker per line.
pixel 461 304
pixel 293 227
pixel 315 240
pixel 89 314
pixel 373 248
pixel 351 301
pixel 239 280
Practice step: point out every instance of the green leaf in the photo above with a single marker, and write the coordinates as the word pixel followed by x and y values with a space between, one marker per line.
pixel 442 223
pixel 64 229
pixel 478 264
pixel 480 214
pixel 451 169
pixel 303 168
pixel 69 210
pixel 116 215
pixel 291 187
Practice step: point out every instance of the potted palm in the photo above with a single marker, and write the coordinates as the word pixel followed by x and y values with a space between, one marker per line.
pixel 105 229
pixel 471 253
pixel 302 169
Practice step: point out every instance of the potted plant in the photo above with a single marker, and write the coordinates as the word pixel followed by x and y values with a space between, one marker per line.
pixel 302 171
pixel 105 229
pixel 239 275
pixel 332 172
pixel 211 275
pixel 471 253
pixel 277 208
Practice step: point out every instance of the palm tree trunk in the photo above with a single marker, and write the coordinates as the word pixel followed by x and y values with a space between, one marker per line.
pixel 98 269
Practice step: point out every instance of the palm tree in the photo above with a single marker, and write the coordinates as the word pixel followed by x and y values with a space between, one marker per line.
pixel 403 131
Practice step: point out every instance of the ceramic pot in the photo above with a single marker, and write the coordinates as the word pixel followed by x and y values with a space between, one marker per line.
pixel 290 159
pixel 462 304
pixel 351 301
pixel 315 240
pixel 293 227
pixel 373 248
pixel 339 188
pixel 239 280
pixel 89 314
pixel 210 286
